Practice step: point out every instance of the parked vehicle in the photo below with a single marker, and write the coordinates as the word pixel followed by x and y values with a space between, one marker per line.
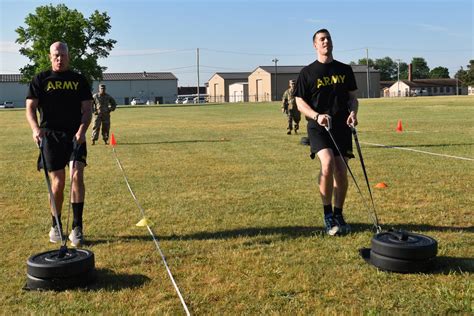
pixel 137 101
pixel 179 100
pixel 7 105
pixel 200 99
pixel 188 100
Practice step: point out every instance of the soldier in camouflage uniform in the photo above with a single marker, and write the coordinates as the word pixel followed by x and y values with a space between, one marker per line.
pixel 103 104
pixel 289 107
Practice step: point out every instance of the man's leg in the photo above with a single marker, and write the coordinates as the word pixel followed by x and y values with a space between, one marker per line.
pixel 340 182
pixel 57 186
pixel 290 122
pixel 96 128
pixel 340 190
pixel 105 128
pixel 78 192
pixel 326 188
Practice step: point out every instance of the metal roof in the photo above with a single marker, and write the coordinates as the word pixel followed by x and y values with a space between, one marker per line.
pixel 233 75
pixel 119 76
pixel 138 76
pixel 431 82
pixel 10 77
pixel 297 69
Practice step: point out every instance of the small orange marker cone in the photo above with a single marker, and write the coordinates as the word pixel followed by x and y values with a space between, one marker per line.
pixel 399 126
pixel 113 142
pixel 381 185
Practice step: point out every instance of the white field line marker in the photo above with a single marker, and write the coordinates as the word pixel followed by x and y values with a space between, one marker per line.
pixel 153 236
pixel 419 151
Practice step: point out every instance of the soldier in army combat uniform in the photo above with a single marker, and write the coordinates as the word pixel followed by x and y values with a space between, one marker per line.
pixel 103 105
pixel 289 107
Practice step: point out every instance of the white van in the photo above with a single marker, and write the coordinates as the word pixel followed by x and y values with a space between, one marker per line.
pixel 188 100
pixel 200 99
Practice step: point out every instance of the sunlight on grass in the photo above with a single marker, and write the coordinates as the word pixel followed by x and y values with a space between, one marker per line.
pixel 234 204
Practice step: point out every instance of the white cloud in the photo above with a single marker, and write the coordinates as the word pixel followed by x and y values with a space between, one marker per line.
pixel 316 21
pixel 9 47
pixel 140 52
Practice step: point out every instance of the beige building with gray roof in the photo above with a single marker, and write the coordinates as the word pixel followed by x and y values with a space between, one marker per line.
pixel 156 87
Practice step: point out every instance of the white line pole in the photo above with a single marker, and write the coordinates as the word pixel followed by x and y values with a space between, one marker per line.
pixel 153 236
pixel 419 151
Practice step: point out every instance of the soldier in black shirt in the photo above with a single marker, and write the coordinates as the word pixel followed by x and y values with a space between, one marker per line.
pixel 64 101
pixel 326 94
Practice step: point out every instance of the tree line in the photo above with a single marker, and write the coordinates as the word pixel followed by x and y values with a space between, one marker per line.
pixel 390 70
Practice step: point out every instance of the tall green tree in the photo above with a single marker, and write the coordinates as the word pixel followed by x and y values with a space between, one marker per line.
pixel 466 76
pixel 439 72
pixel 85 38
pixel 420 69
pixel 403 71
pixel 387 68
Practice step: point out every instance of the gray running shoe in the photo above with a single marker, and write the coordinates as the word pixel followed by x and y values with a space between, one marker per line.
pixel 344 228
pixel 76 237
pixel 330 225
pixel 55 234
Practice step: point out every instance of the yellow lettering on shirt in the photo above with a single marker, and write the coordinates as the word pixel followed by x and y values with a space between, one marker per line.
pixel 67 85
pixel 62 85
pixel 334 79
pixel 319 83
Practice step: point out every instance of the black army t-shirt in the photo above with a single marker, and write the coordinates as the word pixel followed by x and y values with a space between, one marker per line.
pixel 59 97
pixel 325 87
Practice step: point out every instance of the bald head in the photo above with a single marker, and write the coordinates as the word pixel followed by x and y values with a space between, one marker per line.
pixel 59 56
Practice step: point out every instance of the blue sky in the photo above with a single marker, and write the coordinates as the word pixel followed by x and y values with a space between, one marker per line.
pixel 240 35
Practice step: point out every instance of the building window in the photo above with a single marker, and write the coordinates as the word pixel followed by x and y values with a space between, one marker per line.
pixel 441 89
pixel 435 89
pixel 448 89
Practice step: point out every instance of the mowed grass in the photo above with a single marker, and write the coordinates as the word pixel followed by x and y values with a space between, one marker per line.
pixel 236 210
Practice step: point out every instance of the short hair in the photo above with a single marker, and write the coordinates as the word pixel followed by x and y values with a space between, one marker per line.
pixel 61 45
pixel 320 31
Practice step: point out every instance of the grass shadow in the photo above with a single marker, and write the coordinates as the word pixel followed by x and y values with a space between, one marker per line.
pixel 108 280
pixel 449 265
pixel 284 232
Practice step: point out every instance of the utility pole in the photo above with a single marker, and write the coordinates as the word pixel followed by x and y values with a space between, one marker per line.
pixel 275 60
pixel 197 63
pixel 368 75
pixel 398 76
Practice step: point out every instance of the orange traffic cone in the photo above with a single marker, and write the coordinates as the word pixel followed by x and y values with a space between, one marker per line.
pixel 112 140
pixel 381 185
pixel 399 126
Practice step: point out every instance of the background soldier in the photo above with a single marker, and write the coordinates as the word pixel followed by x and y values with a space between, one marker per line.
pixel 290 108
pixel 103 105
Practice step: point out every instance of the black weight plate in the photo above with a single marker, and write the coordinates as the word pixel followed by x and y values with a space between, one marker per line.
pixel 415 247
pixel 59 284
pixel 47 265
pixel 400 265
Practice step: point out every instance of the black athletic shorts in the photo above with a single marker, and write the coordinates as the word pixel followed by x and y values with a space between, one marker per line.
pixel 59 149
pixel 319 138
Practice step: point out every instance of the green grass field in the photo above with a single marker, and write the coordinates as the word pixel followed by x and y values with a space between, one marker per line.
pixel 235 207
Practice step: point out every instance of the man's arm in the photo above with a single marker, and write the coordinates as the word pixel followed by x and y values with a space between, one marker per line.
pixel 353 108
pixel 32 118
pixel 113 104
pixel 86 109
pixel 303 107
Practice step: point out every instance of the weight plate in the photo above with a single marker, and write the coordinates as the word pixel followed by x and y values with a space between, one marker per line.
pixel 400 265
pixel 404 245
pixel 58 284
pixel 48 265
